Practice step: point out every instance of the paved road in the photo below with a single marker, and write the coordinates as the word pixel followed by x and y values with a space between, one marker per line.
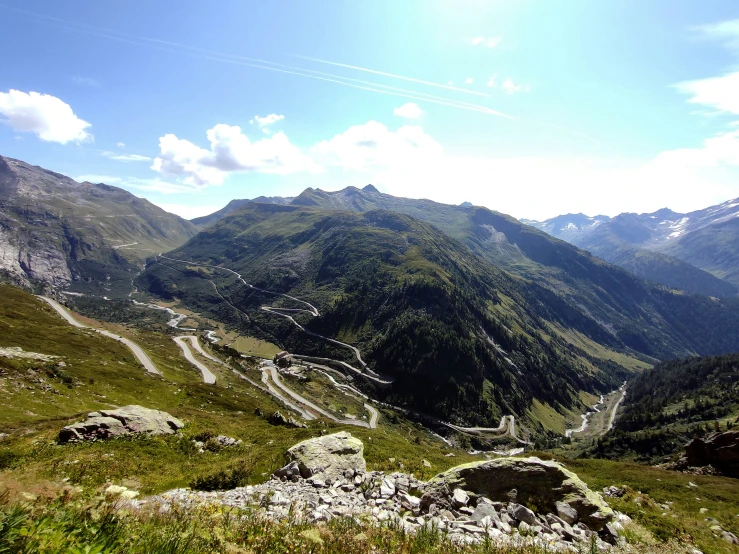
pixel 366 371
pixel 135 348
pixel 303 413
pixel 208 377
pixel 615 408
pixel 358 422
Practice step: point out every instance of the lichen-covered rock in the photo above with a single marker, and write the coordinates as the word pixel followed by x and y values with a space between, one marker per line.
pixel 331 455
pixel 537 482
pixel 128 420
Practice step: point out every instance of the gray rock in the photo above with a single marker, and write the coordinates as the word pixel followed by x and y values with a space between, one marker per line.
pixel 128 420
pixel 330 454
pixel 522 513
pixel 566 512
pixel 537 481
pixel 484 510
pixel 459 498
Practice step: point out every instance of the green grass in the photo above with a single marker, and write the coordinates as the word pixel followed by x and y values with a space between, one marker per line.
pixel 683 520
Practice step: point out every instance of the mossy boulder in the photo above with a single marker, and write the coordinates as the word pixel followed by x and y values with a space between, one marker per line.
pixel 529 481
pixel 331 455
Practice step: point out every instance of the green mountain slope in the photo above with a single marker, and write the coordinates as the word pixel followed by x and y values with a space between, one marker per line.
pixel 462 339
pixel 675 401
pixel 577 290
pixel 78 236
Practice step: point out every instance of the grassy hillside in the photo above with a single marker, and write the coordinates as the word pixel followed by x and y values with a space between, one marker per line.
pixel 462 338
pixel 40 397
pixel 568 285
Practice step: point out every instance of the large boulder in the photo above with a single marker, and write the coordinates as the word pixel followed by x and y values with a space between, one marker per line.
pixel 128 420
pixel 332 455
pixel 548 486
pixel 720 450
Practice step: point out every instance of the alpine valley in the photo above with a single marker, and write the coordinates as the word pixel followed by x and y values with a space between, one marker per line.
pixel 436 334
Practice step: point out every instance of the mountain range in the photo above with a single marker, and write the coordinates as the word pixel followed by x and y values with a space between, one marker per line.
pixel 471 311
pixel 81 237
pixel 697 252
pixel 465 313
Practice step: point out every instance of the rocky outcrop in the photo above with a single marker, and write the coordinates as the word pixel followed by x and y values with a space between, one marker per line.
pixel 278 419
pixel 526 481
pixel 720 450
pixel 328 456
pixel 339 486
pixel 128 420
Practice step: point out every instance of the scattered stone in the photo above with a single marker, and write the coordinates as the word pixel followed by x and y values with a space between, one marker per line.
pixel 223 440
pixel 326 478
pixel 521 513
pixel 128 420
pixel 426 463
pixel 614 492
pixel 459 498
pixel 566 512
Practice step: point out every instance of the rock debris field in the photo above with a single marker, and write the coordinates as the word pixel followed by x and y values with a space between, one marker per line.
pixel 326 478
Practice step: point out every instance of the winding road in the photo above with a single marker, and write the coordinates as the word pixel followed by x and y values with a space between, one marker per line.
pixel 312 310
pixel 208 377
pixel 135 348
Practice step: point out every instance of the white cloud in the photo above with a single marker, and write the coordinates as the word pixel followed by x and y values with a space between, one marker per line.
pixel 490 42
pixel 48 117
pixel 230 151
pixel 409 110
pixel 121 145
pixel 491 81
pixel 187 211
pixel 267 121
pixel 721 150
pixel 150 185
pixel 373 145
pixel 409 162
pixel 509 87
pixel 125 157
pixel 469 81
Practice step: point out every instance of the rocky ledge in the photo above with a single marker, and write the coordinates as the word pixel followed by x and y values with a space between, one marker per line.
pixel 326 478
pixel 128 420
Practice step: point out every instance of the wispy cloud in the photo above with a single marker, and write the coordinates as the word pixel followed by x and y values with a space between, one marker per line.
pixel 267 121
pixel 150 185
pixel 125 157
pixel 489 42
pixel 509 87
pixel 178 48
pixel 86 81
pixel 469 81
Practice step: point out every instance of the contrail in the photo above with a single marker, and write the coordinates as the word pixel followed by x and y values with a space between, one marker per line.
pixel 394 76
pixel 257 63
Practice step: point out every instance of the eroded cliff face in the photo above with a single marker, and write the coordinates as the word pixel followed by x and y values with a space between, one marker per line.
pixel 82 236
pixel 23 263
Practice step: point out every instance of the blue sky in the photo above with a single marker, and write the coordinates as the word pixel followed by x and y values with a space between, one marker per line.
pixel 530 108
